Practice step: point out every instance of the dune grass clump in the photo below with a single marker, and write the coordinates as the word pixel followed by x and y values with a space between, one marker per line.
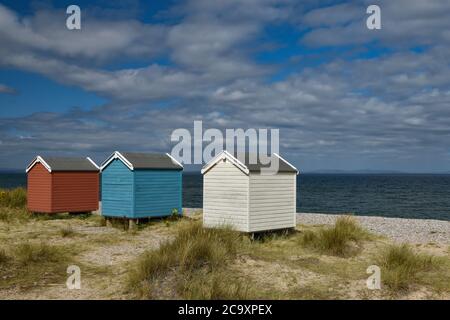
pixel 67 231
pixel 33 264
pixel 13 198
pixel 14 214
pixel 340 240
pixel 193 247
pixel 215 285
pixel 400 266
pixel 3 257
pixel 34 253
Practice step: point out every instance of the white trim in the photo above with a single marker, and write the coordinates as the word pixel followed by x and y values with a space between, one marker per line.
pixel 92 161
pixel 38 159
pixel 174 160
pixel 114 156
pixel 225 155
pixel 286 162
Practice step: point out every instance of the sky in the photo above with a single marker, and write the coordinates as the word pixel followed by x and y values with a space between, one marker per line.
pixel 343 97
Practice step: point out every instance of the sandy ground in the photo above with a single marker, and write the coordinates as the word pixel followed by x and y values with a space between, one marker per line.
pixel 107 255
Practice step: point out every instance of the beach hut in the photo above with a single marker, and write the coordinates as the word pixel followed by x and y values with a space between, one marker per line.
pixel 242 195
pixel 62 185
pixel 141 185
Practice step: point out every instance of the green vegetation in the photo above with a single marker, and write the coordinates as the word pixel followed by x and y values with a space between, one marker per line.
pixel 13 205
pixel 34 253
pixel 342 239
pixel 193 248
pixel 31 264
pixel 14 214
pixel 401 266
pixel 3 257
pixel 13 198
pixel 188 261
pixel 67 232
pixel 215 285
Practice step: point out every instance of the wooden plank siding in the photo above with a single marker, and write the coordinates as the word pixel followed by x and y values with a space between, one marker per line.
pixel 157 192
pixel 117 190
pixel 225 197
pixel 140 193
pixel 75 191
pixel 272 201
pixel 39 186
pixel 61 191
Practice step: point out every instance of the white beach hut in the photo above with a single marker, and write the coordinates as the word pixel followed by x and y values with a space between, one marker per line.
pixel 242 195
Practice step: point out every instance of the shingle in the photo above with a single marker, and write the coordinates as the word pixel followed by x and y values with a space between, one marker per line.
pixel 69 164
pixel 151 161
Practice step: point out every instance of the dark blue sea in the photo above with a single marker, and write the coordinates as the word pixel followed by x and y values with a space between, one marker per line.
pixel 425 196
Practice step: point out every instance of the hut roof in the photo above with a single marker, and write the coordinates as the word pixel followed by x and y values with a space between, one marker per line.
pixel 134 160
pixel 54 164
pixel 248 164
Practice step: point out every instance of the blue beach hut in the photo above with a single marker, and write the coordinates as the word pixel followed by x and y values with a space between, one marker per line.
pixel 141 185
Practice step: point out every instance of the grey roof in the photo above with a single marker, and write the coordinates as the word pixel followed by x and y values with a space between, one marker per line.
pixel 283 166
pixel 151 161
pixel 69 164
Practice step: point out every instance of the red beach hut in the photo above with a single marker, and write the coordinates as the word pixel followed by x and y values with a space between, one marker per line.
pixel 62 185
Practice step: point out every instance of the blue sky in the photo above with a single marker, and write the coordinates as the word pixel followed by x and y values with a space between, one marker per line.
pixel 344 97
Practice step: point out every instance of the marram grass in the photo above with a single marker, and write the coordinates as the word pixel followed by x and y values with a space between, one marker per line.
pixel 192 249
pixel 339 240
pixel 400 266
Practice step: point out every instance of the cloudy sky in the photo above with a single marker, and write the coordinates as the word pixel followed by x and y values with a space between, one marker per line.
pixel 344 97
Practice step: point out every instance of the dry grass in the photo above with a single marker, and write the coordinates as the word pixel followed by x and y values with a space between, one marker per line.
pixel 13 198
pixel 3 257
pixel 401 266
pixel 67 231
pixel 215 285
pixel 10 215
pixel 342 239
pixel 313 262
pixel 193 248
pixel 31 264
pixel 34 253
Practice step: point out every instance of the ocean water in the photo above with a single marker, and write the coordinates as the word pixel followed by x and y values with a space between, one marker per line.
pixel 404 195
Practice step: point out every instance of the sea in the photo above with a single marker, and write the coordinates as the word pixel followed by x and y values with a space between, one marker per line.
pixel 419 196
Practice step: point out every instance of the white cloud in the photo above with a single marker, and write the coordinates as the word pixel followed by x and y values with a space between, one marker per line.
pixel 346 112
pixel 7 90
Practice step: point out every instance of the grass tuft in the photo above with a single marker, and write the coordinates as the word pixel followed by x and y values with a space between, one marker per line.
pixel 14 214
pixel 67 232
pixel 13 198
pixel 401 265
pixel 194 247
pixel 32 253
pixel 3 257
pixel 216 285
pixel 340 240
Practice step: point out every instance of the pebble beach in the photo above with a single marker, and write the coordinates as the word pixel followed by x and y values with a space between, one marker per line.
pixel 397 229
